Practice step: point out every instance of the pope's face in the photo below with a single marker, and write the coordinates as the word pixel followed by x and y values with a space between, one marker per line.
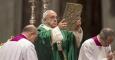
pixel 52 19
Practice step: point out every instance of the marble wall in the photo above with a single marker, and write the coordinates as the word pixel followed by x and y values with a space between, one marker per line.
pixel 10 18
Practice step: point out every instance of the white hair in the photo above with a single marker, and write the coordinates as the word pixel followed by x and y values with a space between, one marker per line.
pixel 45 15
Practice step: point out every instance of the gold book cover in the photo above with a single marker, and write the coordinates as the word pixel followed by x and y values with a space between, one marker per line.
pixel 71 14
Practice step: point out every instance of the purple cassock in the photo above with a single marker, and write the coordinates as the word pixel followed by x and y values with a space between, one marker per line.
pixel 96 41
pixel 18 37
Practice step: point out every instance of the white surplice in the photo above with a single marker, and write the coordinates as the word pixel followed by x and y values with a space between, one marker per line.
pixel 90 51
pixel 21 50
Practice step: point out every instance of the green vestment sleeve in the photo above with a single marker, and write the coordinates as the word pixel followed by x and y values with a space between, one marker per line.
pixel 42 45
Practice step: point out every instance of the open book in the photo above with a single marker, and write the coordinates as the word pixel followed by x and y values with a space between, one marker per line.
pixel 71 14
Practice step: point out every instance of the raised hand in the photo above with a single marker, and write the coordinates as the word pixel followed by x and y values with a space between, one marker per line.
pixel 62 24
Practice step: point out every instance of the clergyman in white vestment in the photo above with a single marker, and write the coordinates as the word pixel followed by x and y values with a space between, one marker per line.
pixel 98 47
pixel 23 49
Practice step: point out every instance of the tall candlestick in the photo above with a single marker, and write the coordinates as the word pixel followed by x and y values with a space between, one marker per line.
pixel 32 19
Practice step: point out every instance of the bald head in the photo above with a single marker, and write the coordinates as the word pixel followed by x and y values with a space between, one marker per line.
pixel 30 28
pixel 31 32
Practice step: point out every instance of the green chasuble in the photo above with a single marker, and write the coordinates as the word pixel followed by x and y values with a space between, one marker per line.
pixel 47 52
